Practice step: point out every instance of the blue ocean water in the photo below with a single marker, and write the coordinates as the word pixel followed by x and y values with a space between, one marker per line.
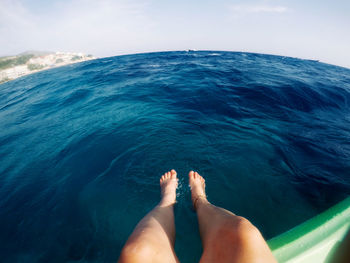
pixel 82 148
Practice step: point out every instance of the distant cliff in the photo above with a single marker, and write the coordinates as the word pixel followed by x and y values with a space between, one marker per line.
pixel 29 62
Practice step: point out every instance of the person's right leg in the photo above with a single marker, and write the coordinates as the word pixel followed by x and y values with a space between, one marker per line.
pixel 225 236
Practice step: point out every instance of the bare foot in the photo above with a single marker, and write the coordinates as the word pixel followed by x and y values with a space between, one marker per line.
pixel 168 185
pixel 197 184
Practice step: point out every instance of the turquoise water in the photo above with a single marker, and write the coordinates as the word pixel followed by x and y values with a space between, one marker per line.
pixel 82 148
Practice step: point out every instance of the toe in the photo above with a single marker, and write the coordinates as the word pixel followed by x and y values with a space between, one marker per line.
pixel 196 175
pixel 173 174
pixel 191 174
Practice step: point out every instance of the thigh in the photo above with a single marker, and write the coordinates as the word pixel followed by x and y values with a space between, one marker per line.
pixel 236 240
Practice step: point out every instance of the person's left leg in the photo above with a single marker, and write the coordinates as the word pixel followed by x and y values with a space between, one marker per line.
pixel 225 236
pixel 153 238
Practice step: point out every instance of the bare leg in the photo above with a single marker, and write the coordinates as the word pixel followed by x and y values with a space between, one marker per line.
pixel 225 236
pixel 153 238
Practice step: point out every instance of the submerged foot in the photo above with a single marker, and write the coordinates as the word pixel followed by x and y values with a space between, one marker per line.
pixel 168 185
pixel 197 184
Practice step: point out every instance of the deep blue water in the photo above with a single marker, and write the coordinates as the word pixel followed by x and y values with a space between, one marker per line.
pixel 82 148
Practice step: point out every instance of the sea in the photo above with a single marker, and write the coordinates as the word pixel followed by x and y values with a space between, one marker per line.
pixel 82 148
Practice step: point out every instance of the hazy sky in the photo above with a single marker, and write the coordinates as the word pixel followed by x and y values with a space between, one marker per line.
pixel 313 29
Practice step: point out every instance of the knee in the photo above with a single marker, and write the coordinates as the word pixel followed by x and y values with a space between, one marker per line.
pixel 134 252
pixel 246 228
pixel 240 230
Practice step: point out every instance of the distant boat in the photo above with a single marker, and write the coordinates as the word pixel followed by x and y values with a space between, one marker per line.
pixel 312 60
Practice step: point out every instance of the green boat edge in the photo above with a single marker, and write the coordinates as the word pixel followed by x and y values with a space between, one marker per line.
pixel 318 239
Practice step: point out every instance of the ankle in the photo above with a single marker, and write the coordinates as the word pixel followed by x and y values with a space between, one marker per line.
pixel 199 200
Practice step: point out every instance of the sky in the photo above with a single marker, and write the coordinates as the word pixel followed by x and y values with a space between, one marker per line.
pixel 312 29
